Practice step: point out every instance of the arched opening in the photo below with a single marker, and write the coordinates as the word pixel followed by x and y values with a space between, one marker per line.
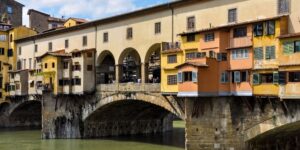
pixel 130 66
pixel 153 64
pixel 106 68
pixel 142 121
pixel 27 114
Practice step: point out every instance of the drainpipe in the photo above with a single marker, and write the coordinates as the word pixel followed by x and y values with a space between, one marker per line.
pixel 172 11
pixel 95 61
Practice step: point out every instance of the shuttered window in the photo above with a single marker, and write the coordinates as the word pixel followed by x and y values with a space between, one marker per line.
pixel 224 77
pixel 275 78
pixel 2 51
pixel 270 52
pixel 256 79
pixel 283 6
pixel 237 77
pixel 258 29
pixel 194 77
pixel 172 59
pixel 270 27
pixel 258 53
pixel 232 15
pixel 288 48
pixel 191 23
pixel 179 77
pixel 297 46
pixel 282 78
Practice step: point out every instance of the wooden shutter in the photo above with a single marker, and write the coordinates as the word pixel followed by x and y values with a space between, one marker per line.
pixel 256 79
pixel 194 77
pixel 237 76
pixel 179 77
pixel 275 78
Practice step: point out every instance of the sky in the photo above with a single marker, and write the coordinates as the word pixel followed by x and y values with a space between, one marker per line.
pixel 86 9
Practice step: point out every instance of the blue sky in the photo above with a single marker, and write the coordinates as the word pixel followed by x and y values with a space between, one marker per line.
pixel 87 9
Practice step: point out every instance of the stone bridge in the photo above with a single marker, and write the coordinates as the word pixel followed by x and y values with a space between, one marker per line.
pixel 126 109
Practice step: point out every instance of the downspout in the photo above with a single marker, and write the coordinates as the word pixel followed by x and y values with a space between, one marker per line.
pixel 95 61
pixel 172 26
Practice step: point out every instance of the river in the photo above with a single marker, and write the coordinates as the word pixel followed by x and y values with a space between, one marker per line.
pixel 30 140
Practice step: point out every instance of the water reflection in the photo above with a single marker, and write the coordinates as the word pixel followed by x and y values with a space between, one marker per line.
pixel 30 140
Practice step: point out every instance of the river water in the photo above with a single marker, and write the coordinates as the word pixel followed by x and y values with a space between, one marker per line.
pixel 30 140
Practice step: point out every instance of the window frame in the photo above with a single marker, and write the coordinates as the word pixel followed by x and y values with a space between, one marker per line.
pixel 237 32
pixel 50 46
pixel 170 61
pixel 129 33
pixel 171 78
pixel 191 23
pixel 191 38
pixel 232 17
pixel 157 28
pixel 105 37
pixel 84 40
pixel 210 38
pixel 66 43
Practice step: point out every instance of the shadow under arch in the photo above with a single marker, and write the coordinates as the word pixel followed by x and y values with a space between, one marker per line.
pixel 129 64
pixel 106 66
pixel 27 114
pixel 4 107
pixel 153 64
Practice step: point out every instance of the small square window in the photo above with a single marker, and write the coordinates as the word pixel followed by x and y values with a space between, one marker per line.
pixel 157 28
pixel 191 23
pixel 129 33
pixel 105 37
pixel 209 37
pixel 232 15
pixel 191 38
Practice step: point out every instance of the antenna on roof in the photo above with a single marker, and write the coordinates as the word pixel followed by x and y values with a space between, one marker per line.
pixel 210 25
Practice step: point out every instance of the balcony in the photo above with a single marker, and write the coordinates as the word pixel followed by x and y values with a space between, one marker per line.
pixel 129 87
pixel 240 42
pixel 170 47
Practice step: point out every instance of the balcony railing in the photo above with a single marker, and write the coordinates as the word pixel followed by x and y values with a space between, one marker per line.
pixel 168 46
pixel 128 87
pixel 240 42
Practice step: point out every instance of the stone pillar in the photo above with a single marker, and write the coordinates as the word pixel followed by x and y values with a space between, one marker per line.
pixel 117 74
pixel 209 125
pixel 143 76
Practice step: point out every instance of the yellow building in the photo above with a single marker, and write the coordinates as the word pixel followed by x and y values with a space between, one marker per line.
pixel 73 22
pixel 289 66
pixel 266 55
pixel 52 70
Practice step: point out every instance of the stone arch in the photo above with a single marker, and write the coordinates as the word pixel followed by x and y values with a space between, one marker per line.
pixel 129 66
pixel 26 114
pixel 106 68
pixel 153 64
pixel 124 114
pixel 4 107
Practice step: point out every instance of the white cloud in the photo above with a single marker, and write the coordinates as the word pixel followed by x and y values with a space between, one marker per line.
pixel 88 9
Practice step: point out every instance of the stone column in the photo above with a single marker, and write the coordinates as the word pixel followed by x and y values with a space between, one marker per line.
pixel 117 74
pixel 143 73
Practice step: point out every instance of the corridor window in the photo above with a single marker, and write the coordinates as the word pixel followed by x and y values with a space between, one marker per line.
pixel 66 43
pixel 240 32
pixel 9 10
pixel 209 37
pixel 84 41
pixel 172 79
pixel 283 6
pixel 270 27
pixel 258 29
pixel 191 23
pixel 35 48
pixel 240 54
pixel 172 59
pixel 270 52
pixel 76 81
pixel 239 76
pixel 222 56
pixel 129 33
pixel 232 15
pixel 105 37
pixel 20 50
pixel 294 76
pixel 157 28
pixel 50 46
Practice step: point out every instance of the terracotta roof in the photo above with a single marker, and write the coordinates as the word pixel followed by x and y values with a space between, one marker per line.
pixel 33 10
pixel 82 51
pixel 195 64
pixel 56 54
pixel 54 19
pixel 79 20
pixel 292 35
pixel 231 25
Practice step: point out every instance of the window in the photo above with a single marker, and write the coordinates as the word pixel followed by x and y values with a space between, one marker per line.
pixel 19 65
pixel 76 67
pixel 89 67
pixel 297 46
pixel 53 65
pixel 89 54
pixel 10 38
pixel 187 76
pixel 270 28
pixel 45 65
pixel 172 79
pixel 283 6
pixel 32 84
pixel 66 43
pixel 20 50
pixel 84 41
pixel 24 63
pixel 50 46
pixel 212 54
pixel 190 55
pixel 191 23
pixel 30 59
pixel 240 32
pixel 239 76
pixel 2 38
pixel 129 33
pixel 157 28
pixel 66 65
pixel 105 37
pixel 201 55
pixel 224 77
pixel 191 38
pixel 76 81
pixel 266 78
pixel 10 53
pixel 232 15
pixel 288 47
pixel 222 56
pixel 2 51
pixel 36 48
pixel 258 29
pixel 258 53
pixel 172 59
pixel 18 86
pixel 270 52
pixel 209 37
pixel 9 10
pixel 64 82
pixel 294 76
pixel 76 55
pixel 240 54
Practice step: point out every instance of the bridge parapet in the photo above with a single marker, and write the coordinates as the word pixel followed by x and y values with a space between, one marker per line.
pixel 129 87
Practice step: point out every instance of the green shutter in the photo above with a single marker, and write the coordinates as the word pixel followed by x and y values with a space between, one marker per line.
pixel 179 77
pixel 194 77
pixel 275 77
pixel 288 47
pixel 272 53
pixel 258 53
pixel 256 79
